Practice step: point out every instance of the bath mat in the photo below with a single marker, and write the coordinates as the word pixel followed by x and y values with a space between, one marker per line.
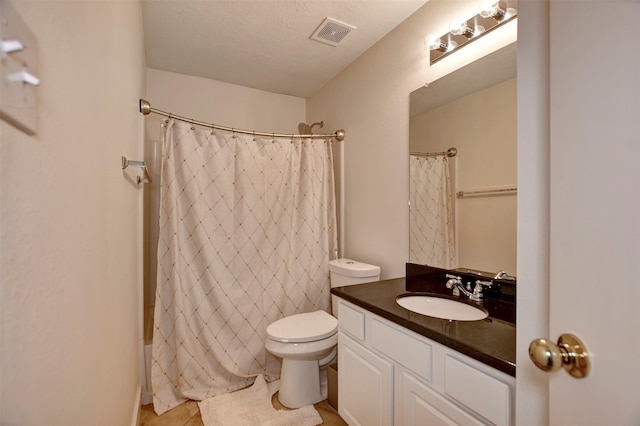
pixel 252 407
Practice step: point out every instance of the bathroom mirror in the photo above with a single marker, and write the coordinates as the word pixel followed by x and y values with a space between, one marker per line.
pixel 472 109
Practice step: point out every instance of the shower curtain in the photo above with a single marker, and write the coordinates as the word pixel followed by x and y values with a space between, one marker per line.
pixel 246 229
pixel 431 225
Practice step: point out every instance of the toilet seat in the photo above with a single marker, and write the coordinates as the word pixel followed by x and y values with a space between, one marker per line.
pixel 306 327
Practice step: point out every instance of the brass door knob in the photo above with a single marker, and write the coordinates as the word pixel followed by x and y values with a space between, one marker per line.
pixel 569 353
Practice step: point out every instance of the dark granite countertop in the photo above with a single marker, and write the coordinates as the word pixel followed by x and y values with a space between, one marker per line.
pixel 491 341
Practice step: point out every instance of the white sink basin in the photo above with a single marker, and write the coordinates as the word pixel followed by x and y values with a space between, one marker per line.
pixel 439 307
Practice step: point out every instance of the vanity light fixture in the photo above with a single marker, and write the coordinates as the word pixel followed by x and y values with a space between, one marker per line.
pixel 491 16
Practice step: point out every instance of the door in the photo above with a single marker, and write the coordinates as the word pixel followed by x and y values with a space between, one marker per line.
pixel 593 225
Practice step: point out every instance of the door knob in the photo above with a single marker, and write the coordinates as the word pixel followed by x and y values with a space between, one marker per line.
pixel 569 353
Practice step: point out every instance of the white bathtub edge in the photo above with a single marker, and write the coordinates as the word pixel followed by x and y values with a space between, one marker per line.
pixel 135 418
pixel 147 392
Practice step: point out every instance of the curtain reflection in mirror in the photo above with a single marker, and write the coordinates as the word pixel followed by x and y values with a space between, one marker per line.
pixel 431 218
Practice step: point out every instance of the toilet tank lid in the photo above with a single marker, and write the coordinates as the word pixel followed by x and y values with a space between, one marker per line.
pixel 352 268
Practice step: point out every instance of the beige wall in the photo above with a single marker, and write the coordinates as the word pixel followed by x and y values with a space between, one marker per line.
pixel 483 128
pixel 224 103
pixel 209 101
pixel 370 100
pixel 71 222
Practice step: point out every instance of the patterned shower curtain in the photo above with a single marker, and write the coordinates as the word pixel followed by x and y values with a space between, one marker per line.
pixel 246 229
pixel 431 225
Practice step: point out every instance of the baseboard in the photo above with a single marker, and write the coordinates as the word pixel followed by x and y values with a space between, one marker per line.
pixel 135 417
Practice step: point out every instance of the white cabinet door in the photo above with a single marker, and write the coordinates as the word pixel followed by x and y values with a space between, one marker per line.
pixel 365 383
pixel 424 406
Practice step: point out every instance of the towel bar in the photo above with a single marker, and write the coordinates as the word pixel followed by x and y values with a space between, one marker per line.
pixel 129 163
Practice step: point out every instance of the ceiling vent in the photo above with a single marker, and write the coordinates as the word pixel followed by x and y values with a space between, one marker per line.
pixel 331 31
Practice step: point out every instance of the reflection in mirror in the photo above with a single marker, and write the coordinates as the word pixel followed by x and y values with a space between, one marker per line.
pixel 463 207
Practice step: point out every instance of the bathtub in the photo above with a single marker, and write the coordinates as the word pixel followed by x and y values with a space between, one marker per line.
pixel 147 392
pixel 145 350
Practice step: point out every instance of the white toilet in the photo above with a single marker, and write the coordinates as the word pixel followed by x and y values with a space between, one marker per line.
pixel 306 342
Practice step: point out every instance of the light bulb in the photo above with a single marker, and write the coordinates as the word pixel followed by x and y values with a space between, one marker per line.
pixel 436 44
pixel 510 13
pixel 463 28
pixel 433 43
pixel 458 28
pixel 495 10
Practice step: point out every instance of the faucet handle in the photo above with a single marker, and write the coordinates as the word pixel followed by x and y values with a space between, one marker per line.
pixel 477 293
pixel 477 290
pixel 484 283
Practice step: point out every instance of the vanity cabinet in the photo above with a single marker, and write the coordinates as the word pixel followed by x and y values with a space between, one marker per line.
pixel 389 375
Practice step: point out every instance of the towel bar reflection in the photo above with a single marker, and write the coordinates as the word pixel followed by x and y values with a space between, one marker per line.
pixel 488 191
pixel 129 163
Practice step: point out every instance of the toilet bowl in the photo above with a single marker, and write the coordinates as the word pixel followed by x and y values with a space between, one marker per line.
pixel 305 342
pixel 308 341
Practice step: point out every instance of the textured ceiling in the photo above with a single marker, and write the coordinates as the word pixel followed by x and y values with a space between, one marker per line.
pixel 264 44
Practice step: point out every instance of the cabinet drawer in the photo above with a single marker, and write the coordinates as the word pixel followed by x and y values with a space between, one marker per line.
pixel 423 406
pixel 399 346
pixel 482 393
pixel 351 320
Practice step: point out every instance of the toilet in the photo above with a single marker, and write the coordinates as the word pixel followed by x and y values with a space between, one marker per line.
pixel 307 342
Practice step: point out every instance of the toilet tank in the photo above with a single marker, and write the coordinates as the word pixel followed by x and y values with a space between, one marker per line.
pixel 348 272
pixel 344 272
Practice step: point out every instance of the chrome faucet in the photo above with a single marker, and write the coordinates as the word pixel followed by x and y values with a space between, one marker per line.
pixel 502 275
pixel 455 283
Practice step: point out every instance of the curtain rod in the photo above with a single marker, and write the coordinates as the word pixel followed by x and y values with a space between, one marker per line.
pixel 451 152
pixel 145 109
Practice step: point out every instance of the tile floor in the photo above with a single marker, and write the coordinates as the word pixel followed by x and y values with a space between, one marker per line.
pixel 188 414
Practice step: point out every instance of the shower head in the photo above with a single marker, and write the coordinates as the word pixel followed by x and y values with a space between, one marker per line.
pixel 305 129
